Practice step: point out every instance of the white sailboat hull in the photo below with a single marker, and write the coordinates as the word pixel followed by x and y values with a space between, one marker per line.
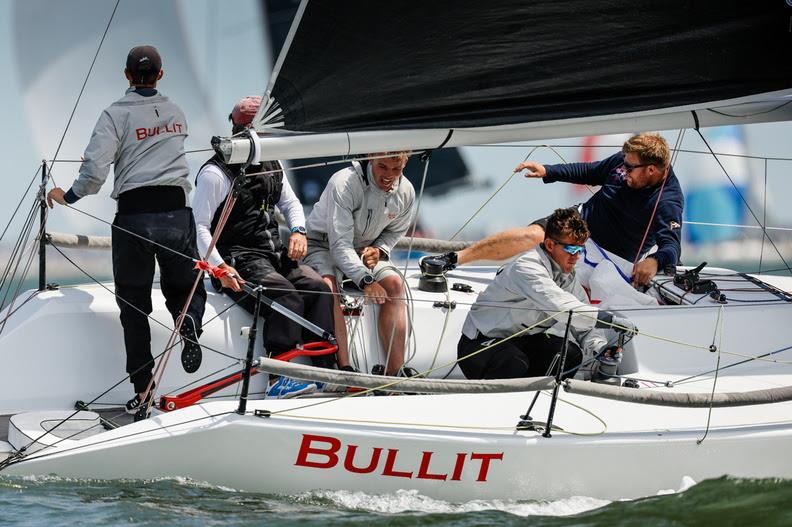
pixel 453 447
pixel 394 444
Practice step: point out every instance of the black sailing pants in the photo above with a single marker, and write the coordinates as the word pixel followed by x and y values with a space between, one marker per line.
pixel 297 288
pixel 133 272
pixel 525 356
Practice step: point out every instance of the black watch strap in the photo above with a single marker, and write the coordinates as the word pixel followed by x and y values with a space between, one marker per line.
pixel 365 281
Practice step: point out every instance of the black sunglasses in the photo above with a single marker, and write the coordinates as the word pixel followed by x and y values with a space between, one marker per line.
pixel 629 168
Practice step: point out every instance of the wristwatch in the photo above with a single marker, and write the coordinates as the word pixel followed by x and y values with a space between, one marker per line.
pixel 300 230
pixel 366 281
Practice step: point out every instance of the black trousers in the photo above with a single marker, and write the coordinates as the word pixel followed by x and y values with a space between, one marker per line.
pixel 525 356
pixel 297 288
pixel 133 272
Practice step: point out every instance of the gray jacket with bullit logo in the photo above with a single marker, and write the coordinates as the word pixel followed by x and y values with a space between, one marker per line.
pixel 144 138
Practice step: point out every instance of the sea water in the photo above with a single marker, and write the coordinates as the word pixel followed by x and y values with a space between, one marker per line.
pixel 62 501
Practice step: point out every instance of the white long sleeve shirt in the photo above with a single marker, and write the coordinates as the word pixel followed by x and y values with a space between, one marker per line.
pixel 211 189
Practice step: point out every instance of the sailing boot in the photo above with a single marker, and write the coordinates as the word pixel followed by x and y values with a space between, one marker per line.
pixel 191 354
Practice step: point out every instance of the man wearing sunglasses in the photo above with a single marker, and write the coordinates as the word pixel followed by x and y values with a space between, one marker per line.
pixel 529 301
pixel 639 205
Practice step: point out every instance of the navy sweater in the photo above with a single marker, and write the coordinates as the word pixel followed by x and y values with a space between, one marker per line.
pixel 617 215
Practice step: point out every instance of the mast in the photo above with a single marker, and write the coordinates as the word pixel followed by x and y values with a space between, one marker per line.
pixel 42 229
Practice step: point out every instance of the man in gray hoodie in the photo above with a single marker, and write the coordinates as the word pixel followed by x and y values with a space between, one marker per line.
pixel 142 135
pixel 362 213
pixel 529 300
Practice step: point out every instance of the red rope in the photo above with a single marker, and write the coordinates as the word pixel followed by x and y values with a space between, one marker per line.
pixel 214 271
pixel 201 265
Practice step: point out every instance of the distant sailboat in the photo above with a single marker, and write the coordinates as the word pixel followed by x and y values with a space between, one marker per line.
pixel 709 195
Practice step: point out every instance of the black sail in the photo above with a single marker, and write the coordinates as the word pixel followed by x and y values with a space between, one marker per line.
pixel 358 65
pixel 449 169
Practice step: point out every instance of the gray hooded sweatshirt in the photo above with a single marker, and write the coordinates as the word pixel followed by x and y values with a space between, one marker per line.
pixel 354 213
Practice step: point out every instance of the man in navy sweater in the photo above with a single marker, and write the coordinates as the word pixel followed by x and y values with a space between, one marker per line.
pixel 639 205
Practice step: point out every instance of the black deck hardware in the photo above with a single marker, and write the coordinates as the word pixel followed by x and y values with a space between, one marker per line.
pixel 465 288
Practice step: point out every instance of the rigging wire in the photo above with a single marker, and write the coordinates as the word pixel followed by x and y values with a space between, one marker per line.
pixel 764 215
pixel 20 453
pixel 100 220
pixel 741 226
pixel 19 203
pixel 718 333
pixel 85 82
pixel 18 457
pixel 745 202
pixel 739 363
pixel 152 319
pixel 133 234
pixel 502 185
pixel 616 147
pixel 20 242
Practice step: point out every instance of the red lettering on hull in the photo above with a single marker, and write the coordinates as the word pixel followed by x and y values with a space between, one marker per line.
pixel 390 461
pixel 485 463
pixel 329 453
pixel 349 461
pixel 460 462
pixel 322 452
pixel 423 472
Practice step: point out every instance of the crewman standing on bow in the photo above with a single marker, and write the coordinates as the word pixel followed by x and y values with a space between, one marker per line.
pixel 142 135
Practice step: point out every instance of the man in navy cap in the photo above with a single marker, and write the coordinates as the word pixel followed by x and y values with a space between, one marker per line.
pixel 142 136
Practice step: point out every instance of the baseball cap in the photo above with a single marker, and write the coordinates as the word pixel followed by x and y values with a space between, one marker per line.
pixel 143 60
pixel 245 110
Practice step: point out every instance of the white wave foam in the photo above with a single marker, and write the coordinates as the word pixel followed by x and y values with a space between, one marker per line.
pixel 411 500
pixel 685 484
pixel 181 480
